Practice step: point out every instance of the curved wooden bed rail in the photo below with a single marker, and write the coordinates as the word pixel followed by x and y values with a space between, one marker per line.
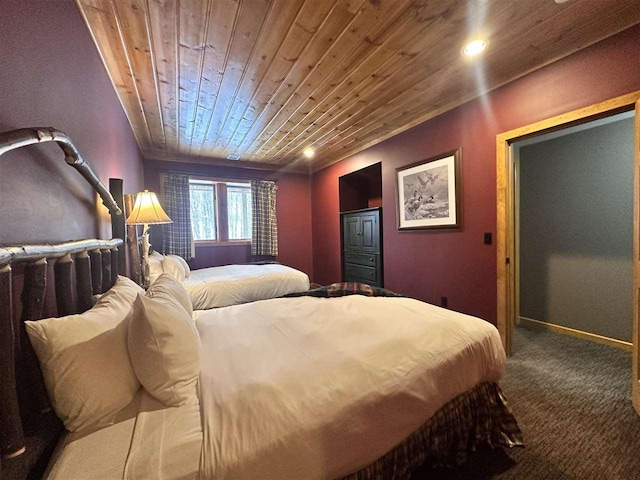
pixel 22 394
pixel 34 252
pixel 29 136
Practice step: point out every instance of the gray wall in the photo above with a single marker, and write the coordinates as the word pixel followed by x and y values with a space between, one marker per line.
pixel 576 233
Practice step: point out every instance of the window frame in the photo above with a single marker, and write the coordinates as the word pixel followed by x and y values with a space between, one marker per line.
pixel 221 211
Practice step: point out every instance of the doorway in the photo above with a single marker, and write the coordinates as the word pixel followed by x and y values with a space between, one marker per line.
pixel 574 230
pixel 507 267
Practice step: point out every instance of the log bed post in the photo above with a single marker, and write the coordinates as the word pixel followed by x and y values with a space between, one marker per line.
pixel 96 271
pixel 11 434
pixel 35 285
pixel 84 285
pixel 118 228
pixel 105 255
pixel 64 287
pixel 115 265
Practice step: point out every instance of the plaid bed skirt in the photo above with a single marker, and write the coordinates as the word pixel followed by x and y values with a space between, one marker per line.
pixel 480 417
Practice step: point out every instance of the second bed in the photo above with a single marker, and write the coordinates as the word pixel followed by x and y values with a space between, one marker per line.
pixel 228 285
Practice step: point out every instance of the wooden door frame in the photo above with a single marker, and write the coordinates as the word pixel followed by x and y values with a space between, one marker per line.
pixel 505 232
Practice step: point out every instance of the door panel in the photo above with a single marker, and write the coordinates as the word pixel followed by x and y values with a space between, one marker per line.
pixel 369 232
pixel 352 240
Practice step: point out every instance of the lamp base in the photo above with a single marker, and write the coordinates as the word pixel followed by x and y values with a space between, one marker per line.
pixel 145 257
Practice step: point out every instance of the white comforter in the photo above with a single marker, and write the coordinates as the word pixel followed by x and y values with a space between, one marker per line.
pixel 318 388
pixel 235 284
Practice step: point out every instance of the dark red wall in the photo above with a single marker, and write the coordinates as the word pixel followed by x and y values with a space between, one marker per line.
pixel 51 75
pixel 293 209
pixel 428 264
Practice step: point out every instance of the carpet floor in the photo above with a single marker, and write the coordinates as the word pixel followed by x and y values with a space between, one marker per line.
pixel 572 400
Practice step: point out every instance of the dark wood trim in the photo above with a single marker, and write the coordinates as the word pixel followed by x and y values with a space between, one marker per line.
pixel 370 209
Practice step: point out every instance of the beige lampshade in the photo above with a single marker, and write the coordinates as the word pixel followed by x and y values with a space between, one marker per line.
pixel 147 210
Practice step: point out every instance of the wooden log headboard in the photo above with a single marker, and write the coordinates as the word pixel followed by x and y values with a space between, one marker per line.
pixel 80 269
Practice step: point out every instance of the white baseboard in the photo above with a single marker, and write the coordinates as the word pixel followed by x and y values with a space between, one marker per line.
pixel 612 342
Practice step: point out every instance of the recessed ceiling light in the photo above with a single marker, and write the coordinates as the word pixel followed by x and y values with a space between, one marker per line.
pixel 309 152
pixel 474 47
pixel 233 156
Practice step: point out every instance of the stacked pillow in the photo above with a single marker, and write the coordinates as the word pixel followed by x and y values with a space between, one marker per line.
pixel 94 363
pixel 163 342
pixel 155 266
pixel 174 265
pixel 85 360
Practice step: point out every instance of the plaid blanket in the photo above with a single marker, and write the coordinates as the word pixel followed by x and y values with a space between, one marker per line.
pixel 344 289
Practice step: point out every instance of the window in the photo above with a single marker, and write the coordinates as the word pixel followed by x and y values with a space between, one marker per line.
pixel 239 210
pixel 202 196
pixel 220 211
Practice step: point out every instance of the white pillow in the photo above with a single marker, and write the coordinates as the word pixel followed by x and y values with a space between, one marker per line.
pixel 155 266
pixel 157 255
pixel 166 286
pixel 173 267
pixel 165 348
pixel 183 263
pixel 85 361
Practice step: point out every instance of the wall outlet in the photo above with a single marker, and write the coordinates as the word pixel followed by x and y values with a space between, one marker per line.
pixel 488 238
pixel 443 301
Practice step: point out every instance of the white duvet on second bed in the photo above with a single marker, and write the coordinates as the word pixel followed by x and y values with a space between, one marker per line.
pixel 321 387
pixel 235 284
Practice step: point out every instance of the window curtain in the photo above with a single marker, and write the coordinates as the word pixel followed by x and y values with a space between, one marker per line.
pixel 176 236
pixel 264 234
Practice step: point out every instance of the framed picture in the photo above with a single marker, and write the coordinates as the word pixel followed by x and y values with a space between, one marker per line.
pixel 428 193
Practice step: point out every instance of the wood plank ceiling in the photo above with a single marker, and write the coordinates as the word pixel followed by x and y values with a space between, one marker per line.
pixel 267 78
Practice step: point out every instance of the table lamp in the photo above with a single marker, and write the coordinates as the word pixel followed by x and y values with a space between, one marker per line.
pixel 146 211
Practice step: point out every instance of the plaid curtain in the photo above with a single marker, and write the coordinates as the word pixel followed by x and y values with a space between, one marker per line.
pixel 176 236
pixel 264 235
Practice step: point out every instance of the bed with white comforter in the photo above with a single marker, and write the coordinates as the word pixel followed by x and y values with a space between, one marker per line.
pixel 227 285
pixel 321 387
pixel 298 388
pixel 235 284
